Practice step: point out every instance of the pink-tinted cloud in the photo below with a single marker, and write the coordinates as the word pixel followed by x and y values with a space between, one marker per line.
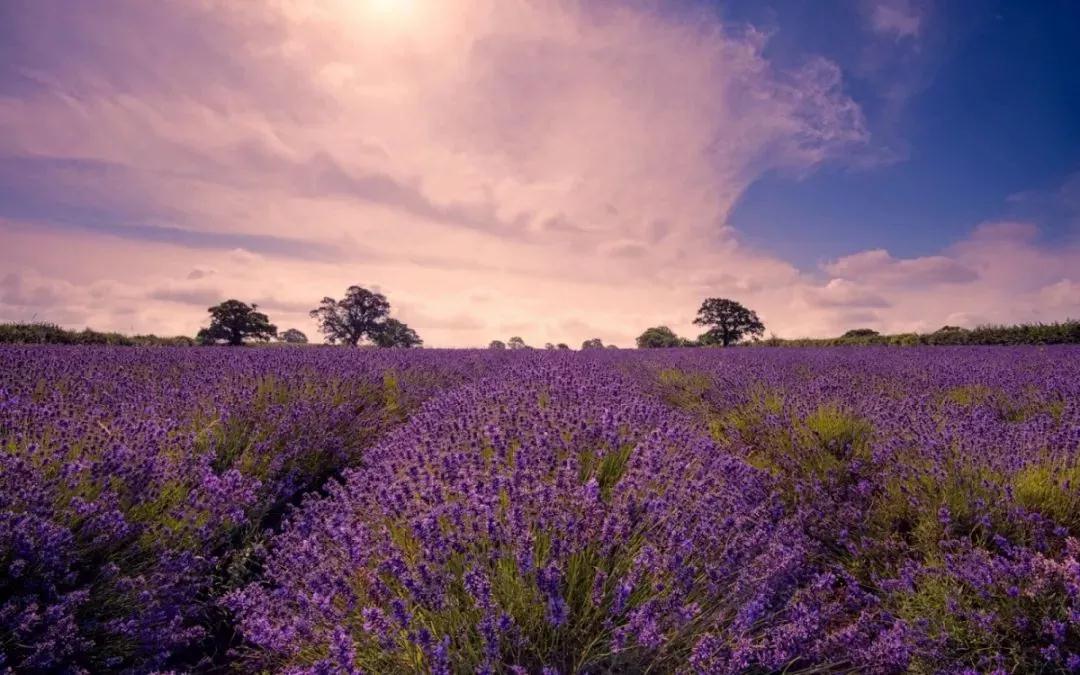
pixel 844 293
pixel 999 273
pixel 877 265
pixel 572 163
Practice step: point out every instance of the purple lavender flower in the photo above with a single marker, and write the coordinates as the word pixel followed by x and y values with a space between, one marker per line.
pixel 713 511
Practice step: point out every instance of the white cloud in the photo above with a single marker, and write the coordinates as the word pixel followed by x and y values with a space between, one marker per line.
pixel 896 18
pixel 999 273
pixel 879 266
pixel 1063 294
pixel 844 293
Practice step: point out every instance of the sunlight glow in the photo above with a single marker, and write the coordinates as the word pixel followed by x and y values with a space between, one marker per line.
pixel 392 7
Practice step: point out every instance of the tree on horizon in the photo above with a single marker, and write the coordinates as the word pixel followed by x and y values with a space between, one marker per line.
pixel 860 332
pixel 658 337
pixel 233 321
pixel 394 333
pixel 729 322
pixel 353 318
pixel 293 336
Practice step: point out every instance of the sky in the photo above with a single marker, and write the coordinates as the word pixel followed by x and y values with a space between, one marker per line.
pixel 552 169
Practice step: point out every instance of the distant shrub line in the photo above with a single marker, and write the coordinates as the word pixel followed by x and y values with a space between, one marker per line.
pixel 51 334
pixel 1066 332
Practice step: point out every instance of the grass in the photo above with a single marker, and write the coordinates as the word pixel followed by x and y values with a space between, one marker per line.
pixel 928 512
pixel 1051 487
pixel 606 467
pixel 1009 408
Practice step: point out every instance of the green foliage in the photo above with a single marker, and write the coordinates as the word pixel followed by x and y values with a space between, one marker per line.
pixel 909 506
pixel 47 333
pixel 394 333
pixel 729 322
pixel 968 395
pixel 233 322
pixel 360 314
pixel 683 390
pixel 394 402
pixel 591 580
pixel 293 336
pixel 607 468
pixel 950 516
pixel 1051 488
pixel 1027 334
pixel 1015 408
pixel 658 337
pixel 950 335
pixel 583 644
pixel 1066 332
pixel 903 340
pixel 925 523
pixel 838 432
pixel 821 446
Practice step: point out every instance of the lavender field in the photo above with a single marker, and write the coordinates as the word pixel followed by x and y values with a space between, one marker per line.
pixel 435 511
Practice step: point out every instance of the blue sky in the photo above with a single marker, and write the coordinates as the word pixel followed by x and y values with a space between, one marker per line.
pixel 989 109
pixel 554 169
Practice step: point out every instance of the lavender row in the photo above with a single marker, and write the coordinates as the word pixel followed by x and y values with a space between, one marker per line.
pixel 946 482
pixel 717 511
pixel 135 483
pixel 700 511
pixel 555 518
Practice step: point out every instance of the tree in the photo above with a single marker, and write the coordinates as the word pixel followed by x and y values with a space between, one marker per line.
pixel 233 322
pixel 729 321
pixel 516 343
pixel 594 343
pixel 293 336
pixel 394 333
pixel 860 332
pixel 657 337
pixel 497 344
pixel 949 335
pixel 359 314
pixel 562 345
pixel 549 346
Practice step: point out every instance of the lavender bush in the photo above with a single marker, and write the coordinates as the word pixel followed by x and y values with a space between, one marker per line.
pixel 134 482
pixel 944 482
pixel 717 511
